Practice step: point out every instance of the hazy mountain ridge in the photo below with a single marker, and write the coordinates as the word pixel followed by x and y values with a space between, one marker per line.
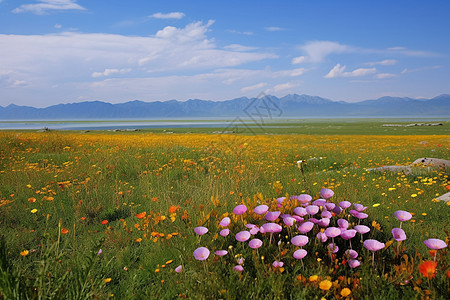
pixel 292 105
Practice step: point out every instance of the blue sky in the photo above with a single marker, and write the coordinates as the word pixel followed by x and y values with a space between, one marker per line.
pixel 63 51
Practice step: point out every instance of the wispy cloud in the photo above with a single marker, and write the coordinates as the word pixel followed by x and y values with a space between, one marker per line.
pixel 385 75
pixel 386 62
pixel 285 86
pixel 405 70
pixel 46 6
pixel 237 47
pixel 409 52
pixel 253 87
pixel 317 51
pixel 171 15
pixel 240 32
pixel 109 72
pixel 339 71
pixel 274 28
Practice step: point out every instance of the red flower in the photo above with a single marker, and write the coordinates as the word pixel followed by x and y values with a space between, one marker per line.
pixel 64 230
pixel 141 215
pixel 104 222
pixel 428 269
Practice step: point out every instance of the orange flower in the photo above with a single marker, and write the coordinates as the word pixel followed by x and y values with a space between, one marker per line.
pixel 432 252
pixel 173 209
pixel 104 222
pixel 64 230
pixel 428 269
pixel 141 215
pixel 31 199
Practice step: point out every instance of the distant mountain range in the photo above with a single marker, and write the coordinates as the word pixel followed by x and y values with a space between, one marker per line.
pixel 287 106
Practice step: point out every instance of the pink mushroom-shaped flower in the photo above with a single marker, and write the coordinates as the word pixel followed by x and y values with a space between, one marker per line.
pixel 353 263
pixel 224 232
pixel 179 269
pixel 289 221
pixel 359 207
pixel 240 209
pixel 322 237
pixel 271 227
pixel 398 234
pixel 333 247
pixel 300 253
pixel 348 234
pixel 326 214
pixel 272 215
pixel 345 204
pixel 352 254
pixel 238 268
pixel 373 245
pixel 320 202
pixel 362 229
pixel 201 253
pixel 326 193
pixel 254 230
pixel 330 205
pixel 300 211
pixel 277 264
pixel 342 223
pixel 332 232
pixel 305 227
pixel 402 215
pixel 225 222
pixel 361 215
pixel 304 198
pixel 435 244
pixel 324 222
pixel 312 209
pixel 221 252
pixel 200 230
pixel 242 236
pixel 300 240
pixel 280 200
pixel 255 243
pixel 261 209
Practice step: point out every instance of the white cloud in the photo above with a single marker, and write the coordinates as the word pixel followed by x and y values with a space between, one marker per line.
pixel 109 72
pixel 253 87
pixel 317 51
pixel 274 28
pixel 385 75
pixel 339 71
pixel 284 86
pixel 48 5
pixel 58 26
pixel 386 62
pixel 240 32
pixel 241 48
pixel 172 15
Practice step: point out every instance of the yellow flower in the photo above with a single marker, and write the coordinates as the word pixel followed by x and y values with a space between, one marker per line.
pixel 376 204
pixel 24 252
pixel 413 195
pixel 107 280
pixel 345 292
pixel 313 278
pixel 34 210
pixel 325 285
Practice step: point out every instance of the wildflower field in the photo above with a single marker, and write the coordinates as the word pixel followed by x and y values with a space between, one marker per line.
pixel 222 216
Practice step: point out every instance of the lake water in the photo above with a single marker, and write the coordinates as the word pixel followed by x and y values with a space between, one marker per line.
pixel 108 125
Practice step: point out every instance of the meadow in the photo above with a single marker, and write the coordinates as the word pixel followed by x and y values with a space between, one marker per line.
pixel 130 214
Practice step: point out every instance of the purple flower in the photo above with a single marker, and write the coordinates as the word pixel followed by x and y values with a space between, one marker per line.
pixel 255 243
pixel 324 222
pixel 225 232
pixel 398 234
pixel 314 220
pixel 348 234
pixel 272 215
pixel 333 247
pixel 359 207
pixel 201 253
pixel 330 205
pixel 242 236
pixel 254 230
pixel 342 223
pixel 261 209
pixel 300 211
pixel 351 253
pixel 319 202
pixel 240 209
pixel 373 245
pixel 402 215
pixel 332 232
pixel 300 240
pixel 344 204
pixel 200 230
pixel 353 263
pixel 298 218
pixel 304 198
pixel 300 253
pixel 280 200
pixel 326 214
pixel 240 261
pixel 221 252
pixel 277 264
pixel 326 193
pixel 337 209
pixel 270 227
pixel 238 268
pixel 179 269
pixel 306 227
pixel 362 229
pixel 312 209
pixel 99 252
pixel 289 221
pixel 321 237
pixel 435 244
pixel 225 222
pixel 354 212
pixel 361 215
